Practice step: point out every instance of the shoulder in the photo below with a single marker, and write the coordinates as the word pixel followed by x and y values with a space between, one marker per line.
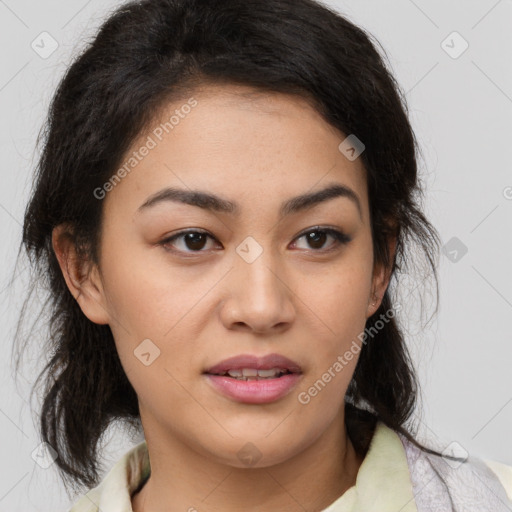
pixel 89 502
pixel 468 483
pixel 503 472
pixel 113 494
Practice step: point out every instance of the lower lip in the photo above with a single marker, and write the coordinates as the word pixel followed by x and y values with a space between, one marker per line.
pixel 254 391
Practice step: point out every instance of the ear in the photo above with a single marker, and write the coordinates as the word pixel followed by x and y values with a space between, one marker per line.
pixel 82 276
pixel 380 279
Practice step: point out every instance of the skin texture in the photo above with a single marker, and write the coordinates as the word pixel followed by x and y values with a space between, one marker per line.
pixel 304 299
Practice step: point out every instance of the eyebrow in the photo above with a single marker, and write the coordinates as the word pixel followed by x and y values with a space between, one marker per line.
pixel 211 202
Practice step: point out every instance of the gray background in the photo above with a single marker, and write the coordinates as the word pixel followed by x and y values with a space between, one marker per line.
pixel 461 112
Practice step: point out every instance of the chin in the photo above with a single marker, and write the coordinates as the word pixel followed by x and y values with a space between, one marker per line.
pixel 256 449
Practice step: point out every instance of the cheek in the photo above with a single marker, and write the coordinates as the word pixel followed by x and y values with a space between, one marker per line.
pixel 149 309
pixel 338 297
pixel 150 299
pixel 336 308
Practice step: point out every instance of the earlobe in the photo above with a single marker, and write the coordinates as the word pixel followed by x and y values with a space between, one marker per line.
pixel 81 276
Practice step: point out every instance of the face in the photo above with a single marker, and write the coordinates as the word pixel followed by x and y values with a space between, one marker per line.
pixel 259 270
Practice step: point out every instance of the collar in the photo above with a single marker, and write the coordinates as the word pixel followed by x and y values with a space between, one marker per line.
pixel 382 484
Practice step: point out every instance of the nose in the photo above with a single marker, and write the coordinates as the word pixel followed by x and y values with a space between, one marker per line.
pixel 258 297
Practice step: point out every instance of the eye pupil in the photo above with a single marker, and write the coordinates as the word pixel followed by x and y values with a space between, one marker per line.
pixel 193 238
pixel 313 236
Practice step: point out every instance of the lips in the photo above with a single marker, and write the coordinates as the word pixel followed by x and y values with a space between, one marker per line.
pixel 254 380
pixel 248 361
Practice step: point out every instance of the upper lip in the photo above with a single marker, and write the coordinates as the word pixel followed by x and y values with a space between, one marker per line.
pixel 266 362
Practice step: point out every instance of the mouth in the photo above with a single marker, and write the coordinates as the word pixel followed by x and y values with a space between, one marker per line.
pixel 247 366
pixel 254 380
pixel 254 374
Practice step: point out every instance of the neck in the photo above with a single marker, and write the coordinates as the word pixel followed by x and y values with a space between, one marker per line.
pixel 182 479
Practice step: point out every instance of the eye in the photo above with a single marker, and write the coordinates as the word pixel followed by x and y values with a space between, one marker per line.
pixel 192 240
pixel 317 237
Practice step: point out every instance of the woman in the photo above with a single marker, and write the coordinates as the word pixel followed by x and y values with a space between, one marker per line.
pixel 225 193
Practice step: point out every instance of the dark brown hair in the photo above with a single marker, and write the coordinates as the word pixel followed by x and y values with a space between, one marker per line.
pixel 145 54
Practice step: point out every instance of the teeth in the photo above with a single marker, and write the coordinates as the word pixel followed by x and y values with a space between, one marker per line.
pixel 253 374
pixel 269 373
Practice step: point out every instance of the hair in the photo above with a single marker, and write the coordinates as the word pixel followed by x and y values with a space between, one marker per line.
pixel 146 54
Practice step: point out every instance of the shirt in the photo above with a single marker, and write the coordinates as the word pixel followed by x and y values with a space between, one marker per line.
pixel 383 478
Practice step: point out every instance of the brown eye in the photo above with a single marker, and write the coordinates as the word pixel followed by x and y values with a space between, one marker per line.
pixel 191 241
pixel 316 238
pixel 195 241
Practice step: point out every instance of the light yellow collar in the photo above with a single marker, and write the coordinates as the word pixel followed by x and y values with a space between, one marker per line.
pixel 382 484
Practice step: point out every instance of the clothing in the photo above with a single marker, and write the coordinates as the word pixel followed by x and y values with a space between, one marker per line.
pixel 395 476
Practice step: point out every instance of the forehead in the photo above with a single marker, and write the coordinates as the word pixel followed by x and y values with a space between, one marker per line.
pixel 251 146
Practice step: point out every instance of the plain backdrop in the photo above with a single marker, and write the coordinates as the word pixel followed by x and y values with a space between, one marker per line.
pixel 453 62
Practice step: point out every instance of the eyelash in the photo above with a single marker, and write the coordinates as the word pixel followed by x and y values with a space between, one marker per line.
pixel 339 237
